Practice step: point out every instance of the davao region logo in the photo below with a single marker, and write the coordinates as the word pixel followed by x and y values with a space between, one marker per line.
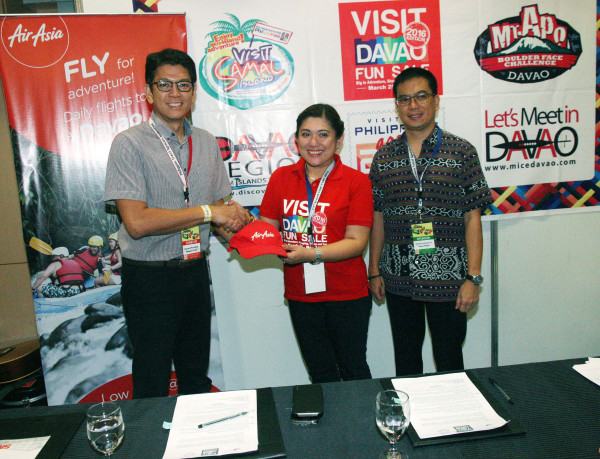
pixel 38 42
pixel 246 65
pixel 528 48
pixel 251 158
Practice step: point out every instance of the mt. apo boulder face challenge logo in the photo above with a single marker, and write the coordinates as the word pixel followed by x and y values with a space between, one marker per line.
pixel 245 67
pixel 529 48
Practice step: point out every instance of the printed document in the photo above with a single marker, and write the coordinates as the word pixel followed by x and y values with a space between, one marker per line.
pixel 213 424
pixel 590 369
pixel 447 404
pixel 23 448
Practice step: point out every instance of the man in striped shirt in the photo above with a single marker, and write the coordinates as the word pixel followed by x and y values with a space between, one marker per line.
pixel 168 181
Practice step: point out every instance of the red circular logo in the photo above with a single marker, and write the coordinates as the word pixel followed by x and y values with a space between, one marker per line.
pixel 319 220
pixel 36 41
pixel 417 34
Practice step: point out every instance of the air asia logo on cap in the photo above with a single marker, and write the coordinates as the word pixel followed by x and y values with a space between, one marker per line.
pixel 262 235
pixel 529 48
pixel 257 238
pixel 36 42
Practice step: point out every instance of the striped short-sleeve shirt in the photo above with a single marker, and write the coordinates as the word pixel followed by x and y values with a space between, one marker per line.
pixel 453 185
pixel 140 169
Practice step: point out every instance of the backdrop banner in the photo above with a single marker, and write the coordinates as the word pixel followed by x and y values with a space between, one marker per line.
pixel 72 82
pixel 517 82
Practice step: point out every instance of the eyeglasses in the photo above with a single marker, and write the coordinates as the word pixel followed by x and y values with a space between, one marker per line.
pixel 420 99
pixel 166 85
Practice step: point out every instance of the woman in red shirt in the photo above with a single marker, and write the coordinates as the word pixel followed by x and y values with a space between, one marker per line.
pixel 324 210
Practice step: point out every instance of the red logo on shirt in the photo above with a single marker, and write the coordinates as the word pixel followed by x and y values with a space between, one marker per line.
pixel 319 220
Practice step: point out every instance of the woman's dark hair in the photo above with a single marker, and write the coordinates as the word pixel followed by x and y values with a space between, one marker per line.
pixel 169 56
pixel 415 72
pixel 322 111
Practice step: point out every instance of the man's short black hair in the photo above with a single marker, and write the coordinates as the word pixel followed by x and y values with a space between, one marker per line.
pixel 415 72
pixel 169 56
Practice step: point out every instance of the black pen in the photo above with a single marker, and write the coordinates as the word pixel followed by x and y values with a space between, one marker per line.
pixel 508 399
pixel 226 418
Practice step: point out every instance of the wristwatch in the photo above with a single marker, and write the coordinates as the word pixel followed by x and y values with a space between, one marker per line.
pixel 318 257
pixel 477 280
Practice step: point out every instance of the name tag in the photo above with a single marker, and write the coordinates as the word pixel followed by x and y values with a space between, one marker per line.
pixel 423 238
pixel 190 242
pixel 314 278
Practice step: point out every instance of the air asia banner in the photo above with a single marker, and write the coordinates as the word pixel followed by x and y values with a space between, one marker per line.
pixel 380 39
pixel 71 84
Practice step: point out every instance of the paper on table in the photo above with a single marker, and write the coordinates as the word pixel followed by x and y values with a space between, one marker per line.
pixel 23 448
pixel 447 404
pixel 590 369
pixel 232 436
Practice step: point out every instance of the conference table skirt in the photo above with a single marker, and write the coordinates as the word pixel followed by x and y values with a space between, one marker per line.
pixel 558 407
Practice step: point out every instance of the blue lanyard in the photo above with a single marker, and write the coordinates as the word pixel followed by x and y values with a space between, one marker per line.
pixel 312 205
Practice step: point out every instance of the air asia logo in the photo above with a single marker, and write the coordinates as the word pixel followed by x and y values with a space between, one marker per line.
pixel 245 65
pixel 262 236
pixel 529 48
pixel 36 42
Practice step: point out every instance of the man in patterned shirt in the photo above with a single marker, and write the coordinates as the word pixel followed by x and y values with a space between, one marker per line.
pixel 426 243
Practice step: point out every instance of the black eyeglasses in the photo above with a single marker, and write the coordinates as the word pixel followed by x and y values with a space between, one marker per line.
pixel 420 98
pixel 166 85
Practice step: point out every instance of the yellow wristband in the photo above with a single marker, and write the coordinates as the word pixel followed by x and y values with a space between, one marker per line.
pixel 207 213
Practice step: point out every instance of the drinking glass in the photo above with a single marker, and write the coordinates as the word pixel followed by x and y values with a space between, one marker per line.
pixel 392 415
pixel 105 427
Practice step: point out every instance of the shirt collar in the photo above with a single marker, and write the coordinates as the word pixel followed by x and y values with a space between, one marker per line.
pixel 166 131
pixel 299 168
pixel 429 142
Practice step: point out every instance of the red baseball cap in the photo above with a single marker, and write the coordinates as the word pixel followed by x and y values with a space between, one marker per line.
pixel 257 238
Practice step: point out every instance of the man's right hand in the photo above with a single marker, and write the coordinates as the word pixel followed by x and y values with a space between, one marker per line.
pixel 231 216
pixel 378 287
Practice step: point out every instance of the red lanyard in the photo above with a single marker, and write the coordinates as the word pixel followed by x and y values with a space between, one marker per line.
pixel 186 192
pixel 176 165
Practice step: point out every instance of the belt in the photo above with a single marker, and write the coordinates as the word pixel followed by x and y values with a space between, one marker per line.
pixel 175 263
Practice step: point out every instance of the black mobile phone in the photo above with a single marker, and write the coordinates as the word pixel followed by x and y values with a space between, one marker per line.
pixel 307 407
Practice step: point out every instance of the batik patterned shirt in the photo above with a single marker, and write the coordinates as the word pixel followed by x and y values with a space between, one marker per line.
pixel 453 184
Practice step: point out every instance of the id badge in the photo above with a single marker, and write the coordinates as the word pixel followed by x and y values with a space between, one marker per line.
pixel 314 278
pixel 190 241
pixel 423 238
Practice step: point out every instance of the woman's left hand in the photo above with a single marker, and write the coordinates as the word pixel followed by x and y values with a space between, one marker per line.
pixel 297 254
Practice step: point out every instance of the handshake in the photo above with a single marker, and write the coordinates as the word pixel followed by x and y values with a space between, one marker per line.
pixel 230 217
